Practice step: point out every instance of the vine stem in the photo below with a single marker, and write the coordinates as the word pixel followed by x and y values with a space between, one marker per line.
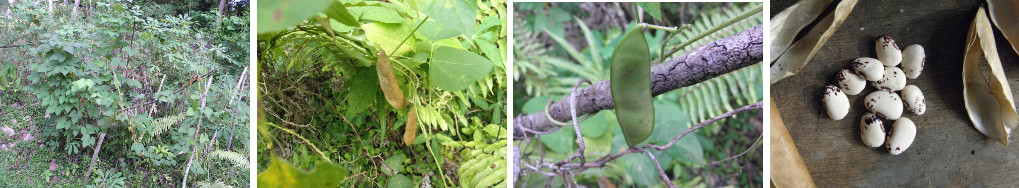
pixel 323 155
pixel 658 27
pixel 411 34
pixel 715 29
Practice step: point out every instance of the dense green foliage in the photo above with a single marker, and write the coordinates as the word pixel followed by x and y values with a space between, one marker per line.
pixel 557 44
pixel 163 90
pixel 322 99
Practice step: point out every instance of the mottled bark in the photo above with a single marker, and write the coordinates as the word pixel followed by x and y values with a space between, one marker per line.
pixel 706 62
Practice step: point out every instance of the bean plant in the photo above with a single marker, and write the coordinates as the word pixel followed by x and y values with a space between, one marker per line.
pixel 390 93
pixel 134 93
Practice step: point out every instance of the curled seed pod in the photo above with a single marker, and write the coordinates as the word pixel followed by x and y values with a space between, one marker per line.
pixel 630 86
pixel 410 132
pixel 388 83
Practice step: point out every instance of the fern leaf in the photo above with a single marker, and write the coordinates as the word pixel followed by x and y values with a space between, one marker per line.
pixel 236 158
pixel 162 124
pixel 216 184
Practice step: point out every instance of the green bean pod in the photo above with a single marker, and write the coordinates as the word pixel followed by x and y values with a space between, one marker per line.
pixel 630 83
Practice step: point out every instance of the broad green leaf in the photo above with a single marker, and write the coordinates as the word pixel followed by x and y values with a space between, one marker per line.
pixel 449 42
pixel 278 14
pixel 388 35
pixel 137 147
pixel 561 141
pixel 456 14
pixel 436 31
pixel 454 69
pixel 339 27
pixel 338 12
pixel 87 140
pixel 535 104
pixel 652 8
pixel 399 181
pixel 362 88
pixel 378 14
pixel 597 125
pixel 393 164
pixel 670 121
pixel 282 174
pixel 491 51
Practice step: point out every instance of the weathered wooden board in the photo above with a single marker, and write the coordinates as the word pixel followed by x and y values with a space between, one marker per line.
pixel 947 149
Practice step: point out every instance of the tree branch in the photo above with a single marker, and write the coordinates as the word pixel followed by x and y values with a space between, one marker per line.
pixel 706 62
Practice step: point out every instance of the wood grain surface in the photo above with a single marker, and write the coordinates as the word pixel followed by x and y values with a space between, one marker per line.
pixel 947 149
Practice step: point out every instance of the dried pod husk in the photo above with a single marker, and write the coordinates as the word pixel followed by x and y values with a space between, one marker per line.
pixel 388 83
pixel 786 24
pixel 801 51
pixel 1005 16
pixel 988 99
pixel 410 132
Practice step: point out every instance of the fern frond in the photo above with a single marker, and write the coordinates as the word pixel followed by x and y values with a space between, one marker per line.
pixel 529 56
pixel 710 19
pixel 236 158
pixel 162 124
pixel 721 94
pixel 486 167
pixel 216 184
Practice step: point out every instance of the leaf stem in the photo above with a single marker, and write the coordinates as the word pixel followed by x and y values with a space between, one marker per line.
pixel 408 35
pixel 715 29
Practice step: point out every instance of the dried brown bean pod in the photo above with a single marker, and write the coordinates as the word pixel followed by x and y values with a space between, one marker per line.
pixel 388 83
pixel 410 132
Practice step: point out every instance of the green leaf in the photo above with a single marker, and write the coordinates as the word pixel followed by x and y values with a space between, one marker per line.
pixel 278 14
pixel 561 141
pixel 535 104
pixel 597 125
pixel 137 147
pixel 652 8
pixel 491 51
pixel 453 69
pixel 363 87
pixel 399 181
pixel 282 174
pixel 378 14
pixel 670 121
pixel 456 14
pixel 393 164
pixel 338 12
pixel 436 31
pixel 87 140
pixel 388 35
